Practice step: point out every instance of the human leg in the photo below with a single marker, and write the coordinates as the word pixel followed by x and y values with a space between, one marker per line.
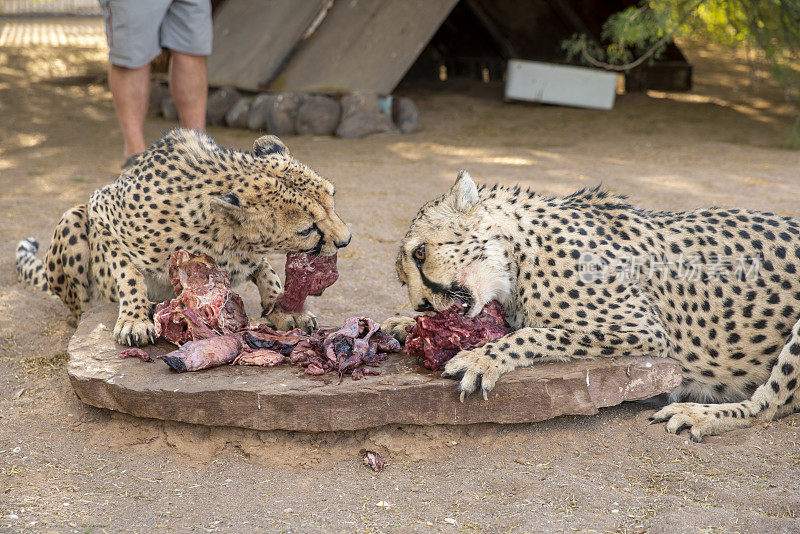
pixel 188 82
pixel 186 31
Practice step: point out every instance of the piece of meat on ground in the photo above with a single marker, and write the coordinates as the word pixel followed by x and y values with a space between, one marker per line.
pixel 435 339
pixel 262 357
pixel 374 461
pixel 205 304
pixel 263 337
pixel 133 352
pixel 357 343
pixel 267 347
pixel 306 274
pixel 346 350
pixel 204 353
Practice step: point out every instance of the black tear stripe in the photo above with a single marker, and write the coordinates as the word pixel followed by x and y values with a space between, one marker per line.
pixel 455 291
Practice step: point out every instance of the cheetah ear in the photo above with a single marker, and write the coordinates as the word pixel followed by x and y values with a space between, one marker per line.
pixel 464 193
pixel 270 145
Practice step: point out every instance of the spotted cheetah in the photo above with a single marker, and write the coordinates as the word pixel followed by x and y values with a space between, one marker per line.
pixel 733 328
pixel 187 192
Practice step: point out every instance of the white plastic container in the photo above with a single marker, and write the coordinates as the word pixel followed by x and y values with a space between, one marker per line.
pixel 560 84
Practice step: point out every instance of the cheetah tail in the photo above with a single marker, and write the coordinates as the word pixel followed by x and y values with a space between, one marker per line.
pixel 30 269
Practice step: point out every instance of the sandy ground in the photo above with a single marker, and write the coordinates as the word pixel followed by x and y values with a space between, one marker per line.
pixel 66 467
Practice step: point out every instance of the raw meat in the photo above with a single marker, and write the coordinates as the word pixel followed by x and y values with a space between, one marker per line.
pixel 205 305
pixel 374 461
pixel 261 336
pixel 306 274
pixel 267 347
pixel 136 353
pixel 345 350
pixel 263 357
pixel 434 340
pixel 204 353
pixel 354 349
pixel 208 321
pixel 357 343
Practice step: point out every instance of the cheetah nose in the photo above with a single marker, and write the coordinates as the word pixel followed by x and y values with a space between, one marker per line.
pixel 425 306
pixel 344 243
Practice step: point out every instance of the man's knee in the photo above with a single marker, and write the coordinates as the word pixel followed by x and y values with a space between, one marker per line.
pixel 189 59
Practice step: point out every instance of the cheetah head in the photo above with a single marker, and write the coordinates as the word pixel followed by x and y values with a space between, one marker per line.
pixel 275 203
pixel 452 253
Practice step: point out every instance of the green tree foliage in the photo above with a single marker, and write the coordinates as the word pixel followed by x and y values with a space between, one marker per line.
pixel 639 34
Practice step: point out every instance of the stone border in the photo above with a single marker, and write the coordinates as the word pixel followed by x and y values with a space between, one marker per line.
pixel 287 113
pixel 282 398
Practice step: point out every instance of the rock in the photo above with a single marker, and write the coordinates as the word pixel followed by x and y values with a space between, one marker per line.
pixel 168 108
pixel 405 115
pixel 405 393
pixel 356 102
pixel 363 123
pixel 158 92
pixel 283 113
pixel 361 116
pixel 239 114
pixel 259 110
pixel 319 115
pixel 220 103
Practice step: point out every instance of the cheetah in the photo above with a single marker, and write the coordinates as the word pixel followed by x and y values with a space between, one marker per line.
pixel 187 192
pixel 733 326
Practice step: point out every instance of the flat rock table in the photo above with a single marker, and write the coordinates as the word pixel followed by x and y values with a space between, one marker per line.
pixel 283 397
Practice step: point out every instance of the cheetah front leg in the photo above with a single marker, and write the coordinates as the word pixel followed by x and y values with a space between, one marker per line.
pixel 481 367
pixel 134 323
pixel 269 288
pixel 775 398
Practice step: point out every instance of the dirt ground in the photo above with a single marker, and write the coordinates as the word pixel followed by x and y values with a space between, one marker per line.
pixel 66 467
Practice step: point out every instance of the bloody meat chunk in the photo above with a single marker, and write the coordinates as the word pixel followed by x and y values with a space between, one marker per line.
pixel 205 305
pixel 133 352
pixel 261 336
pixel 357 343
pixel 208 320
pixel 310 354
pixel 355 349
pixel 434 340
pixel 262 357
pixel 267 347
pixel 374 461
pixel 204 353
pixel 306 274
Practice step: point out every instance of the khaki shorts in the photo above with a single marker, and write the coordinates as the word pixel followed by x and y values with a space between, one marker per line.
pixel 137 30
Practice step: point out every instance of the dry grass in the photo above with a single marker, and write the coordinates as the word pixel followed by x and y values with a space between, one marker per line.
pixel 7 344
pixel 45 364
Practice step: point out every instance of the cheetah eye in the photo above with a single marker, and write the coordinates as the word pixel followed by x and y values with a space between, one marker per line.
pixel 419 253
pixel 306 232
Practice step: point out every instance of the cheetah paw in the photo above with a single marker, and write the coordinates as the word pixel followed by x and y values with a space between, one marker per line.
pixel 474 370
pixel 703 419
pixel 283 320
pixel 134 332
pixel 396 327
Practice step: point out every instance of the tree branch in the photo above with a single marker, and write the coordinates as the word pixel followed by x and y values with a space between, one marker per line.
pixel 641 59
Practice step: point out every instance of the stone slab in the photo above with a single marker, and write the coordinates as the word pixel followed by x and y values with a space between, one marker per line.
pixel 284 398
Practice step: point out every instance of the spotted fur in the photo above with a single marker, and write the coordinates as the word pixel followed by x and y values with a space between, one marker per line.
pixel 187 192
pixel 737 338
